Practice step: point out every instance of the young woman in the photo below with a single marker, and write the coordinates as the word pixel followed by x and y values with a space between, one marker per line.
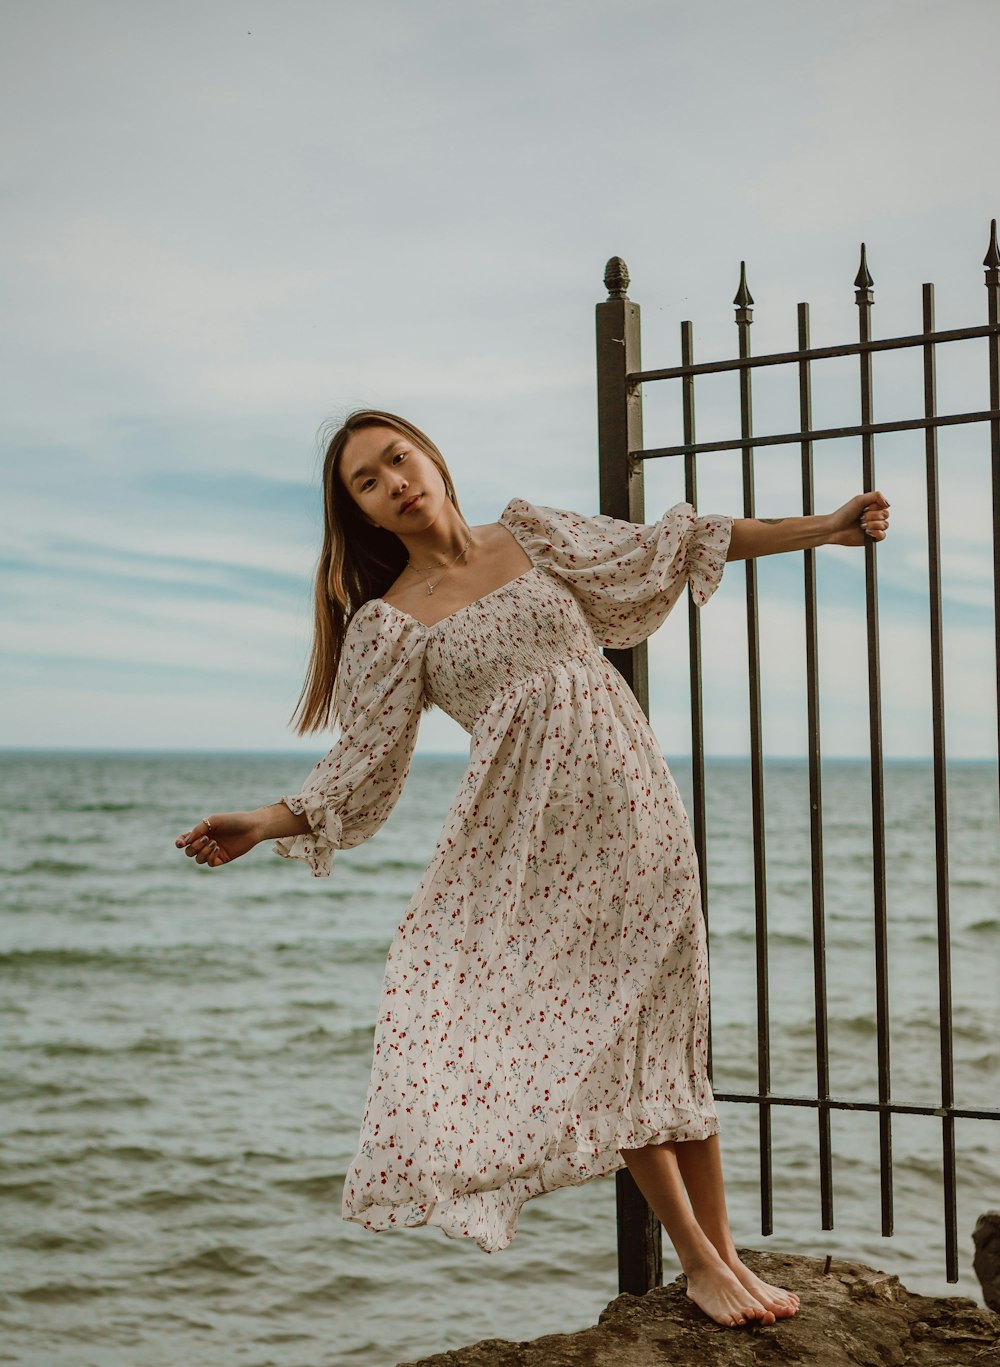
pixel 545 1005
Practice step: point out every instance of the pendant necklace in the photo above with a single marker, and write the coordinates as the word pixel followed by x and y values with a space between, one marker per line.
pixel 432 586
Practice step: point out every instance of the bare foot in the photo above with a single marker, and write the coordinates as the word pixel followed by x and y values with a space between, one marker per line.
pixel 782 1304
pixel 718 1292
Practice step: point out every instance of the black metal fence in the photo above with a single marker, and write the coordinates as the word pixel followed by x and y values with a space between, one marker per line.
pixel 619 379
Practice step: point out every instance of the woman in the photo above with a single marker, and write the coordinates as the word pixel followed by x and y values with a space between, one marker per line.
pixel 545 1005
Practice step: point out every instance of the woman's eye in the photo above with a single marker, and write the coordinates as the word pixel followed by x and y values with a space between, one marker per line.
pixel 399 455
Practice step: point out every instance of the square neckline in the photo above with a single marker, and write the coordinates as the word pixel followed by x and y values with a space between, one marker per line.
pixel 430 626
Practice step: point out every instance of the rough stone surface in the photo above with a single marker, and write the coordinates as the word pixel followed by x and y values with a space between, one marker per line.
pixel 986 1263
pixel 851 1317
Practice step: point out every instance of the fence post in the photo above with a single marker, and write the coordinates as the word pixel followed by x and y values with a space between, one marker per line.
pixel 619 428
pixel 992 263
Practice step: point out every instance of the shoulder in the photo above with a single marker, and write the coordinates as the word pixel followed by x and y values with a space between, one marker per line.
pixel 379 627
pixel 539 527
pixel 521 513
pixel 519 509
pixel 382 650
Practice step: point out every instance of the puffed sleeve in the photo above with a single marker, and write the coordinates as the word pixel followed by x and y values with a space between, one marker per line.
pixel 626 575
pixel 378 697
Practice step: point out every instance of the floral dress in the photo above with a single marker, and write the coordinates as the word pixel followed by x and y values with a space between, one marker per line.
pixel 545 1001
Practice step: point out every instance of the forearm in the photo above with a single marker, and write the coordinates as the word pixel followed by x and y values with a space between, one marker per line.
pixel 278 820
pixel 755 536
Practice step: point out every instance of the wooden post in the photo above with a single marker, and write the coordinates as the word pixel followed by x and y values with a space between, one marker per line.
pixel 619 426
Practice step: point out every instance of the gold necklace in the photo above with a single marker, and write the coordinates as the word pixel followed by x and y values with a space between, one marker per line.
pixel 431 587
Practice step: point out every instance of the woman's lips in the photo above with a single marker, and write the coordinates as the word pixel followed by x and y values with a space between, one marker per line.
pixel 410 503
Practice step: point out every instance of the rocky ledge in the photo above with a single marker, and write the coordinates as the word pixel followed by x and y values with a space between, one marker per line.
pixel 851 1316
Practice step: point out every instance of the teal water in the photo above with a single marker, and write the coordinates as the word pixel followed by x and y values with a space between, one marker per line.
pixel 186 1053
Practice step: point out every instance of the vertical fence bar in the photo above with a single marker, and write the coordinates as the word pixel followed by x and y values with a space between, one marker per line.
pixel 864 297
pixel 815 794
pixel 992 263
pixel 744 318
pixel 698 817
pixel 619 426
pixel 940 794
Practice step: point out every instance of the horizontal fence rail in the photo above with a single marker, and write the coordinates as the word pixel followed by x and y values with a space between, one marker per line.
pixel 832 1104
pixel 813 353
pixel 861 429
pixel 622 455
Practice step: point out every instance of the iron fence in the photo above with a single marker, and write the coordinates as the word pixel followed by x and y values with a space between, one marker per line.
pixel 620 378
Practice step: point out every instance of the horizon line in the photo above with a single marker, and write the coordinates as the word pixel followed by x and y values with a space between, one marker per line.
pixel 458 754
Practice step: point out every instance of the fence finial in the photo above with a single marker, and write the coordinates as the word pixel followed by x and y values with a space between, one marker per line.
pixel 744 299
pixel 992 258
pixel 863 282
pixel 616 278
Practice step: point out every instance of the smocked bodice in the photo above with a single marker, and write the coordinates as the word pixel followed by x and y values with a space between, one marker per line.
pixel 484 651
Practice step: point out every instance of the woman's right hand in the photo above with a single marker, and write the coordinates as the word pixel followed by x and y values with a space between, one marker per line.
pixel 220 839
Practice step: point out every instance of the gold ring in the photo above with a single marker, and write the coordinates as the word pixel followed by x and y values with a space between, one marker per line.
pixel 207 823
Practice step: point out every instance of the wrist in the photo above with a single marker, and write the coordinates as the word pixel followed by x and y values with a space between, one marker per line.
pixel 275 820
pixel 829 535
pixel 264 820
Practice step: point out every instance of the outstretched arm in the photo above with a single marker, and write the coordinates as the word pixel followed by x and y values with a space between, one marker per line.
pixel 864 515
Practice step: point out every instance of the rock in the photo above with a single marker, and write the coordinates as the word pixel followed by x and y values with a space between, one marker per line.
pixel 852 1316
pixel 986 1263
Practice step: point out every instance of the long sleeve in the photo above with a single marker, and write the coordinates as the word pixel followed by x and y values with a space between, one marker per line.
pixel 350 793
pixel 626 576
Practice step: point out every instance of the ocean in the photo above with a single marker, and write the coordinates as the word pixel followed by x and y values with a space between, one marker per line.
pixel 186 1051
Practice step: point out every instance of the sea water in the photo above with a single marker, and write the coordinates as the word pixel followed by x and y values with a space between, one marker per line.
pixel 186 1051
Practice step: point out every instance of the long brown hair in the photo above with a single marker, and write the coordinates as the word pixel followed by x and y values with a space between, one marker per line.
pixel 357 562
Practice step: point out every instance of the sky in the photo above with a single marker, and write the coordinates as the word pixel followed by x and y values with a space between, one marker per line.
pixel 226 225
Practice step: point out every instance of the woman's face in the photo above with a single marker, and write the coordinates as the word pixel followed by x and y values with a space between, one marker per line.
pixel 395 484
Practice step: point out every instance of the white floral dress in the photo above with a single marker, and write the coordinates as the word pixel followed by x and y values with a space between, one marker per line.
pixel 545 1001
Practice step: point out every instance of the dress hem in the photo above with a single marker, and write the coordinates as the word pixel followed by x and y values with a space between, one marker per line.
pixel 492 1235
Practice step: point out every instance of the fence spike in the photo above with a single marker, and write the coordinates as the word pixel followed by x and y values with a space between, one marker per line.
pixel 863 282
pixel 743 297
pixel 992 258
pixel 616 278
pixel 743 301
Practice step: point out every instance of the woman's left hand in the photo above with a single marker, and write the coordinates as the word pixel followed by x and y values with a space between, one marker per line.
pixel 865 515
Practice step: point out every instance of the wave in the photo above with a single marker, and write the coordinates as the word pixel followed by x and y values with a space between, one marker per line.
pixel 59 1048
pixel 107 807
pixel 228 1259
pixel 50 1292
pixel 357 1041
pixel 988 924
pixel 319 1187
pixel 338 1290
pixel 387 866
pixel 52 1240
pixel 57 866
pixel 215 961
pixel 747 935
pixel 38 1190
pixel 211 1191
pixel 125 1153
